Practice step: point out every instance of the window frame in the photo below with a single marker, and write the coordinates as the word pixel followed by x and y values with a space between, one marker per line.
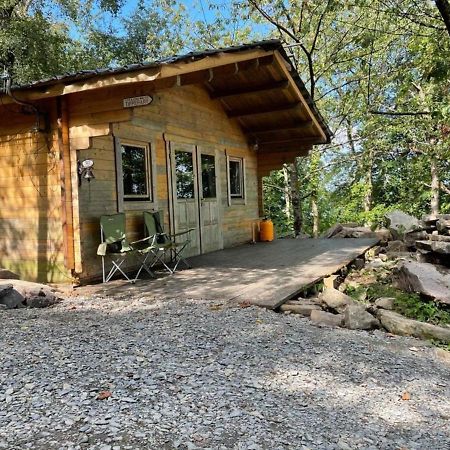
pixel 148 172
pixel 241 162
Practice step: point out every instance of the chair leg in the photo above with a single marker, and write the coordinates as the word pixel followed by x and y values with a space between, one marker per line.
pixel 145 266
pixel 178 258
pixel 160 259
pixel 117 267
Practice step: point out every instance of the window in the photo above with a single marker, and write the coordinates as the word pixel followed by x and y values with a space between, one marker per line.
pixel 208 163
pixel 236 174
pixel 184 169
pixel 136 172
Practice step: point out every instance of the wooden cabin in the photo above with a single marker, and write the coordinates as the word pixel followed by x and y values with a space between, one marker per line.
pixel 191 136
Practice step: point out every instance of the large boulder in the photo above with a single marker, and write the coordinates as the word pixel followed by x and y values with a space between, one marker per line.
pixel 327 319
pixel 396 246
pixel 440 247
pixel 335 300
pixel 304 309
pixel 397 324
pixel 357 318
pixel 443 226
pixel 401 223
pixel 33 295
pixel 9 297
pixel 428 279
pixel 356 232
pixel 6 274
pixel 385 303
pixel 332 231
pixel 410 238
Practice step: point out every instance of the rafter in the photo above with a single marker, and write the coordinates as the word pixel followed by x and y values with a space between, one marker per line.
pixel 254 111
pixel 249 90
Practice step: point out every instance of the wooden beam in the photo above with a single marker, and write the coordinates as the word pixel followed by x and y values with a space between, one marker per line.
pixel 254 111
pixel 308 140
pixel 285 70
pixel 260 132
pixel 287 147
pixel 249 90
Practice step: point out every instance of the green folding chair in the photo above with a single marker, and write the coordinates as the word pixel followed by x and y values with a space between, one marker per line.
pixel 164 244
pixel 114 245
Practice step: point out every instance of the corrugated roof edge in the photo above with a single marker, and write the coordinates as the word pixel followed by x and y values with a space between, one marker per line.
pixel 273 44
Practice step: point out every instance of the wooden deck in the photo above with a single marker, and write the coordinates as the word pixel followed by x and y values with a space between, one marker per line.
pixel 265 274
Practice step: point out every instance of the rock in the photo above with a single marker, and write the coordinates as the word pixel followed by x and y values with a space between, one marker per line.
pixel 396 246
pixel 383 234
pixel 331 282
pixel 443 355
pixel 36 295
pixel 434 246
pixel 398 255
pixel 410 238
pixel 443 226
pixel 5 289
pixel 358 232
pixel 359 263
pixel 397 324
pixel 332 231
pixel 428 279
pixel 438 237
pixel 12 299
pixel 327 319
pixel 401 223
pixel 6 274
pixel 357 318
pixel 302 309
pixel 335 300
pixel 385 303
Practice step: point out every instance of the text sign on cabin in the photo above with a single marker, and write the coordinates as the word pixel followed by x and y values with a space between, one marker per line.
pixel 137 101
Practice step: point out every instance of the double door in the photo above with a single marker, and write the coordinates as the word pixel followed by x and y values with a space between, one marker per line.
pixel 195 200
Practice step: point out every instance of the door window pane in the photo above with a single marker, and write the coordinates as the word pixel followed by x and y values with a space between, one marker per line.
pixel 208 163
pixel 135 172
pixel 236 177
pixel 184 169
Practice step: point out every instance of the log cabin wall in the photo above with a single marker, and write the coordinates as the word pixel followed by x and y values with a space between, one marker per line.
pixel 31 229
pixel 182 115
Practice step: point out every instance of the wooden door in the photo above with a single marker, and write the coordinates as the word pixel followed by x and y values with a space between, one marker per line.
pixel 196 196
pixel 209 197
pixel 185 198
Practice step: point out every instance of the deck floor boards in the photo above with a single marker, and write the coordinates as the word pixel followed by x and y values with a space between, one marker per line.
pixel 264 274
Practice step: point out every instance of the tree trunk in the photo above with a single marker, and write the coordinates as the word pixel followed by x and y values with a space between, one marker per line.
pixel 287 191
pixel 315 214
pixel 435 185
pixel 295 198
pixel 368 193
pixel 444 9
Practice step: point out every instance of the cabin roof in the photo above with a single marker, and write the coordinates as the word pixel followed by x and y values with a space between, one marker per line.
pixel 223 90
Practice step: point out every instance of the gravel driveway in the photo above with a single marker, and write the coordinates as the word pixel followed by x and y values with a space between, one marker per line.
pixel 188 375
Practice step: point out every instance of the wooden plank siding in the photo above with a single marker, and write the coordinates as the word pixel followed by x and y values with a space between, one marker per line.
pixel 183 115
pixel 31 232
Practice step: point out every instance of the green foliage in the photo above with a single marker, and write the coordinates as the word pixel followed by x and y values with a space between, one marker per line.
pixel 408 304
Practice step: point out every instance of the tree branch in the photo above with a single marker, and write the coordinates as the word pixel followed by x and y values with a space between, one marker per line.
pixel 444 9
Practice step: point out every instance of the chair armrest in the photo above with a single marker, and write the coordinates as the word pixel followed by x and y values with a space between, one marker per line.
pixel 102 249
pixel 182 232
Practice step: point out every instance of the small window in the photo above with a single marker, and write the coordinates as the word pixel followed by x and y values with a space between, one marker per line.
pixel 208 163
pixel 236 174
pixel 184 169
pixel 136 172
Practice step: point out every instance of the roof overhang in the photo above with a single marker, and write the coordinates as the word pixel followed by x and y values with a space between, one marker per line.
pixel 255 84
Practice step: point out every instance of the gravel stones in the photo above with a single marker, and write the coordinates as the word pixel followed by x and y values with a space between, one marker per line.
pixel 207 375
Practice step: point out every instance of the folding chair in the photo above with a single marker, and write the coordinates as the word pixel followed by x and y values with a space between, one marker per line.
pixel 164 243
pixel 113 245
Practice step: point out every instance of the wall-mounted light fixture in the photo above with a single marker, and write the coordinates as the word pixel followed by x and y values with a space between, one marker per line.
pixel 85 170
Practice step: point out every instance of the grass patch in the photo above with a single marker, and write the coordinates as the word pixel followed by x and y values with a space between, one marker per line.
pixel 410 305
